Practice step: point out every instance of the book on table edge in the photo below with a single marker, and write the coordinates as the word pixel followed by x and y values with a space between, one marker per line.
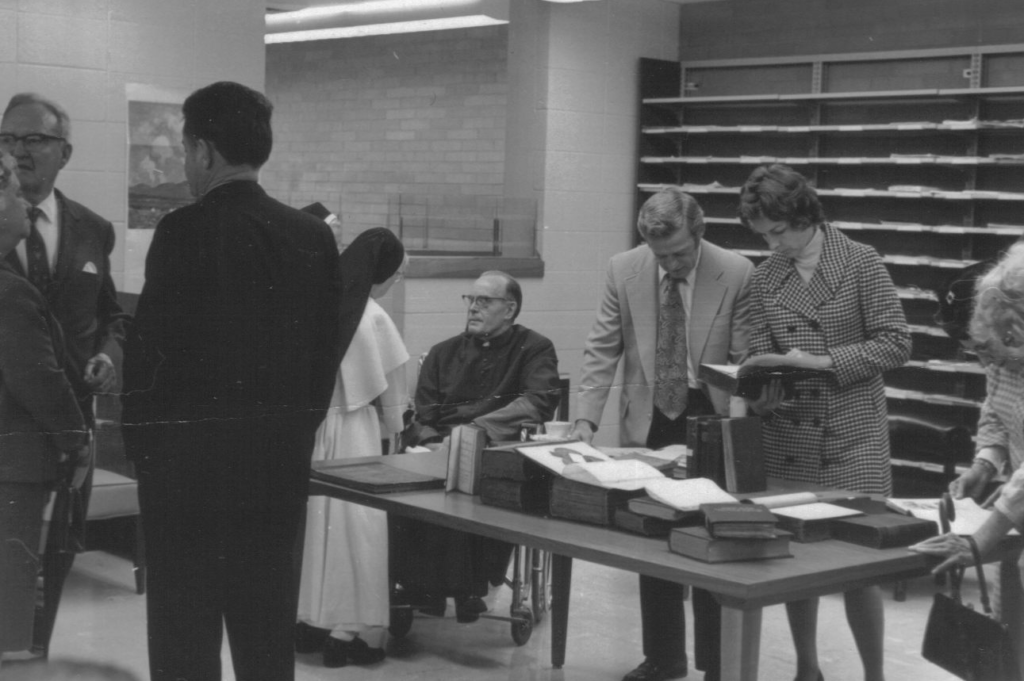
pixel 375 477
pixel 883 530
pixel 748 380
pixel 586 503
pixel 465 451
pixel 627 520
pixel 644 505
pixel 508 463
pixel 530 496
pixel 739 520
pixel 811 522
pixel 806 531
pixel 695 542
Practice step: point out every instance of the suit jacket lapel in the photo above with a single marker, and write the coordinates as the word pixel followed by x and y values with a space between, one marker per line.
pixel 67 245
pixel 785 283
pixel 708 292
pixel 642 295
pixel 15 262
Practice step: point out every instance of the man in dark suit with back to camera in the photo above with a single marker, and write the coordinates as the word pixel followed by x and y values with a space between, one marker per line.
pixel 670 305
pixel 229 369
pixel 66 256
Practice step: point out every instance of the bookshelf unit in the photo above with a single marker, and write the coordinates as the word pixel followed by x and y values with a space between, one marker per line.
pixel 918 153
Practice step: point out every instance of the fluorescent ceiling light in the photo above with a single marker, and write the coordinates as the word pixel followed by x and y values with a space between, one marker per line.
pixel 378 17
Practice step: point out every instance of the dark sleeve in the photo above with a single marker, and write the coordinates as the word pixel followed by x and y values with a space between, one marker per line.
pixel 539 377
pixel 325 357
pixel 32 373
pixel 161 326
pixel 109 315
pixel 428 396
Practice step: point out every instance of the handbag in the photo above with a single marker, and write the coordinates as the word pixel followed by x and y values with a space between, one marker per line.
pixel 971 645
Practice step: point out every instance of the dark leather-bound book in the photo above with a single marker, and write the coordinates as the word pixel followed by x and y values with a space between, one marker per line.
pixel 530 496
pixel 695 542
pixel 748 380
pixel 883 530
pixel 738 520
pixel 742 455
pixel 655 509
pixel 375 477
pixel 587 503
pixel 508 463
pixel 627 520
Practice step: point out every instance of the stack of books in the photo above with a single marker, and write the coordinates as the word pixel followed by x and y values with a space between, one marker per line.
pixel 593 492
pixel 732 532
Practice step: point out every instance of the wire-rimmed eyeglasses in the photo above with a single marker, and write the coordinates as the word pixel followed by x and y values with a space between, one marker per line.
pixel 35 141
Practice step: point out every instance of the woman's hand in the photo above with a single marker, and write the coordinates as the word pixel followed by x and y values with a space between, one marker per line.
pixel 805 360
pixel 972 482
pixel 955 547
pixel 772 395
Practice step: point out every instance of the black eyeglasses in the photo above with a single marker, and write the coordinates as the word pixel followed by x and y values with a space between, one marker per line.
pixel 35 141
pixel 482 301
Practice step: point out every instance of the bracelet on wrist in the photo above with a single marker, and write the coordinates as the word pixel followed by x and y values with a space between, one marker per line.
pixel 987 464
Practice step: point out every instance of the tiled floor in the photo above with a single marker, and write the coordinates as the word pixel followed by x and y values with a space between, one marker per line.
pixel 103 619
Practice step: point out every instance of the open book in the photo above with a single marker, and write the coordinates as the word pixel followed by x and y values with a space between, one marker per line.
pixel 556 456
pixel 969 515
pixel 747 380
pixel 626 474
pixel 687 495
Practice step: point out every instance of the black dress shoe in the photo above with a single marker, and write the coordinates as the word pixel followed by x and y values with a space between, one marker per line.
pixel 650 670
pixel 336 652
pixel 309 639
pixel 359 652
pixel 469 608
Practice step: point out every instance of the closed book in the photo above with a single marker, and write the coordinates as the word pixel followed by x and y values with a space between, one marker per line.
pixel 883 530
pixel 811 522
pixel 695 542
pixel 587 503
pixel 530 496
pixel 508 463
pixel 627 520
pixel 465 453
pixel 738 520
pixel 747 380
pixel 655 509
pixel 742 455
pixel 376 477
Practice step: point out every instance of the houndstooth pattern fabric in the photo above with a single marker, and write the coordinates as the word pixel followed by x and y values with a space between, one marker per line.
pixel 836 431
pixel 670 384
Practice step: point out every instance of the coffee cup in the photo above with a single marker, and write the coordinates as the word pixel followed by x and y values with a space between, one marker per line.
pixel 558 428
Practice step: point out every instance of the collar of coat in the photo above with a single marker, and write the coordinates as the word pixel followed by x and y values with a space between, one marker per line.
pixel 783 283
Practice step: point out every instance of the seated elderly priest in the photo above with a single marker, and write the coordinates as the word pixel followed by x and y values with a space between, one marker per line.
pixel 497 375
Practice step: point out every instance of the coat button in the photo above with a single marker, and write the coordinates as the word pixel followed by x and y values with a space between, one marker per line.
pixel 817 422
pixel 791 329
pixel 824 463
pixel 796 422
pixel 815 325
pixel 815 393
pixel 790 459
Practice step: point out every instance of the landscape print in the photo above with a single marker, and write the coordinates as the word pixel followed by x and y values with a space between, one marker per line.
pixel 156 163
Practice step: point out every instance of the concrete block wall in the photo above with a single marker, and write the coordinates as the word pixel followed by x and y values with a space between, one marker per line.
pixel 83 54
pixel 359 121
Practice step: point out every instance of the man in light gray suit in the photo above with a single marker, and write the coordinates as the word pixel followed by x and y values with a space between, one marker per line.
pixel 713 285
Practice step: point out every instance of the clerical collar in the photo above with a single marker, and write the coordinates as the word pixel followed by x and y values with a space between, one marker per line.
pixel 488 341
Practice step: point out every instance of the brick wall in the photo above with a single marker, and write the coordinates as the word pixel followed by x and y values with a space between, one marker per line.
pixel 359 121
pixel 775 28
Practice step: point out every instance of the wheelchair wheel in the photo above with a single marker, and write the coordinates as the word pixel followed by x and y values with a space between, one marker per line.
pixel 522 625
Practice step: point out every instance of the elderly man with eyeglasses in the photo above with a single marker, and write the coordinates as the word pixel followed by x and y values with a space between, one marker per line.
pixel 66 256
pixel 497 375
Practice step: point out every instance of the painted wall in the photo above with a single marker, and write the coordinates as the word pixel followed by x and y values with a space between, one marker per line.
pixel 83 53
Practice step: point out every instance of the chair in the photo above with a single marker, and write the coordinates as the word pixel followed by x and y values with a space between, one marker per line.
pixel 115 494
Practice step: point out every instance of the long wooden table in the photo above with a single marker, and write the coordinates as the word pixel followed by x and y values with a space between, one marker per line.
pixel 743 589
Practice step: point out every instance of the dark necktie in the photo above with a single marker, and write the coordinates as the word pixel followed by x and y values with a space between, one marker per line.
pixel 670 367
pixel 35 252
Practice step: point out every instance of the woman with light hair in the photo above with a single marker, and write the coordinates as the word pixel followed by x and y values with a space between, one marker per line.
pixel 997 329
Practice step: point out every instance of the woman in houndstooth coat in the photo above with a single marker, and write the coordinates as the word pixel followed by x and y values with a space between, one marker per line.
pixel 823 301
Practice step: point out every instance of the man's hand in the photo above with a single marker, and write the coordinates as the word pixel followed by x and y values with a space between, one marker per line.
pixel 82 460
pixel 583 431
pixel 100 374
pixel 972 482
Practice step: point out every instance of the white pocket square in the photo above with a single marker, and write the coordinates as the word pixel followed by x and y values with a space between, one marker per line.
pixel 90 268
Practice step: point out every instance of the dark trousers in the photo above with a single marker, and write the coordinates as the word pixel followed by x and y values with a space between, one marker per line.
pixel 216 565
pixel 661 602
